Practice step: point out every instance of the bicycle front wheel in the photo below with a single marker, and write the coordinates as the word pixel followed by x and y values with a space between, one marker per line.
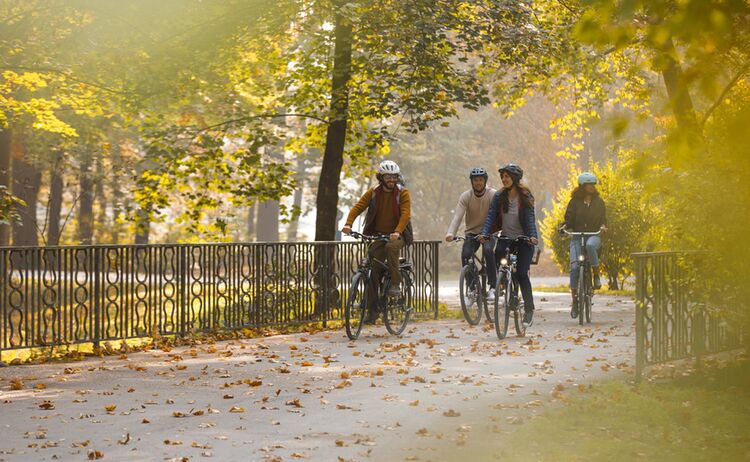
pixel 356 306
pixel 589 297
pixel 502 305
pixel 471 294
pixel 398 309
pixel 518 314
pixel 581 301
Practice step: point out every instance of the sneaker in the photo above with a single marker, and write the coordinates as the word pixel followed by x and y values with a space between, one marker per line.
pixel 528 318
pixel 597 283
pixel 491 294
pixel 574 310
pixel 394 290
pixel 471 296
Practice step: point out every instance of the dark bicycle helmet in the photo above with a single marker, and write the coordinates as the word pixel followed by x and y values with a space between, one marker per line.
pixel 478 171
pixel 513 170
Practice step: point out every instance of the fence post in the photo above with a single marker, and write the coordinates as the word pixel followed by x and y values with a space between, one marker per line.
pixel 97 294
pixel 181 294
pixel 640 322
pixel 325 281
pixel 436 273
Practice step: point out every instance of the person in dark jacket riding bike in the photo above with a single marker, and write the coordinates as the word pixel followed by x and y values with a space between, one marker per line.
pixel 586 213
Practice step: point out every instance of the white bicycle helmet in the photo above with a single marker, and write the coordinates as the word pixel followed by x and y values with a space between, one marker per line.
pixel 389 167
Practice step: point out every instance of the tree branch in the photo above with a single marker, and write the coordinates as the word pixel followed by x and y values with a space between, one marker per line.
pixel 724 93
pixel 261 116
pixel 66 74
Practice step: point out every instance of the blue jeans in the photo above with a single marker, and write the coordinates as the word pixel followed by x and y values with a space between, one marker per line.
pixel 593 244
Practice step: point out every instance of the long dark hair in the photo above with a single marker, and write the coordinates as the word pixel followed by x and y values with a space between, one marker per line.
pixel 580 192
pixel 527 199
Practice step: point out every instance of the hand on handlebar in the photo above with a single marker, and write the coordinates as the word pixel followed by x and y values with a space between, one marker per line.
pixel 346 230
pixel 603 229
pixel 448 237
pixel 395 236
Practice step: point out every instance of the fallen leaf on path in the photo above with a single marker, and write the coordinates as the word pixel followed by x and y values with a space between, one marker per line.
pixel 47 405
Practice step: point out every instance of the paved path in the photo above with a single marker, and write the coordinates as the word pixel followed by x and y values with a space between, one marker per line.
pixel 311 396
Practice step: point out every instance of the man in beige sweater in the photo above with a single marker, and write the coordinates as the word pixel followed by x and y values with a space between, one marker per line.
pixel 473 205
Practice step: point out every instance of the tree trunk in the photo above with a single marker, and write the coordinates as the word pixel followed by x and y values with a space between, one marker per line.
pixel 142 227
pixel 268 221
pixel 117 199
pixel 293 228
pixel 86 205
pixel 678 91
pixel 27 180
pixel 54 205
pixel 333 157
pixel 612 281
pixel 103 230
pixel 251 222
pixel 5 143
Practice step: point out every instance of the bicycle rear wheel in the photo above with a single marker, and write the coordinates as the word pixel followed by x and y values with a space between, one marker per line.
pixel 397 310
pixel 356 306
pixel 502 306
pixel 471 294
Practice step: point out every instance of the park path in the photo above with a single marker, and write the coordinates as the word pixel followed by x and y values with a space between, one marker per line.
pixel 312 396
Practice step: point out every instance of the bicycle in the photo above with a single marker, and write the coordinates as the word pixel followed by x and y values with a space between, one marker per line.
pixel 507 299
pixel 471 284
pixel 585 286
pixel 396 309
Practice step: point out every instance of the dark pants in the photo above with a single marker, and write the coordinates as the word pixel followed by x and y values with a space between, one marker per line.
pixel 471 246
pixel 386 252
pixel 523 265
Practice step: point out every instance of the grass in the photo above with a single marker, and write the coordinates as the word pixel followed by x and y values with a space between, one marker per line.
pixel 701 417
pixel 565 288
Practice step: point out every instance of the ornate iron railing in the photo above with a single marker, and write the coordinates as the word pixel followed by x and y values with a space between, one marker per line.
pixel 65 295
pixel 676 317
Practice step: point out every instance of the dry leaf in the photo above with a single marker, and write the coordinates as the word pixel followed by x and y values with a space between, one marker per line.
pixel 294 402
pixel 237 409
pixel 47 405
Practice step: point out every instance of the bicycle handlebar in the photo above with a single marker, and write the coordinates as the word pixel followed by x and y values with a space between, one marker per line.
pixel 582 233
pixel 364 237
pixel 498 235
pixel 464 238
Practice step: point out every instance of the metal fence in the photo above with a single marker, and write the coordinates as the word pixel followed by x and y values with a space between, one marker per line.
pixel 676 317
pixel 65 295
